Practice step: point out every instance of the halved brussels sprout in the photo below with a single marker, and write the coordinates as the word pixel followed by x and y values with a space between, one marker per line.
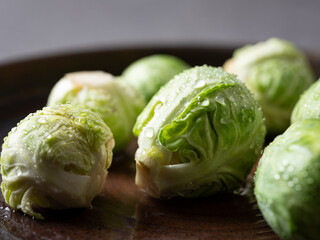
pixel 148 74
pixel 287 183
pixel 199 135
pixel 55 158
pixel 277 73
pixel 308 105
pixel 117 104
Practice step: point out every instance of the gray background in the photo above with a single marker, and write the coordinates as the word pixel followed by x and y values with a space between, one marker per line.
pixel 33 28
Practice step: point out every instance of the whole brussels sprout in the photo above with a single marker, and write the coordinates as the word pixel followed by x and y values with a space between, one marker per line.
pixel 277 73
pixel 148 74
pixel 199 135
pixel 287 183
pixel 308 105
pixel 55 158
pixel 117 104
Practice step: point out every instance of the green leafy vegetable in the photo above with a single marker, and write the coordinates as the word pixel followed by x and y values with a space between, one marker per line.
pixel 277 73
pixel 55 158
pixel 287 184
pixel 148 74
pixel 199 135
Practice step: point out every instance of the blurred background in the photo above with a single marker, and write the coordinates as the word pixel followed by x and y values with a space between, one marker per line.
pixel 35 28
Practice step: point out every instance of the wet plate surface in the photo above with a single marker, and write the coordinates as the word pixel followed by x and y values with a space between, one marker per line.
pixel 121 211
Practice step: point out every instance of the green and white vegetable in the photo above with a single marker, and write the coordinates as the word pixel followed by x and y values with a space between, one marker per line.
pixel 308 105
pixel 277 73
pixel 148 74
pixel 287 183
pixel 55 158
pixel 117 104
pixel 199 135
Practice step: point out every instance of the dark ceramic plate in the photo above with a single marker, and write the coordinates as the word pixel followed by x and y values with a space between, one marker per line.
pixel 121 211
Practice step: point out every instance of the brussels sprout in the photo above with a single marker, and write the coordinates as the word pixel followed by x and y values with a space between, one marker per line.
pixel 287 183
pixel 308 105
pixel 148 74
pixel 277 73
pixel 117 104
pixel 199 135
pixel 55 158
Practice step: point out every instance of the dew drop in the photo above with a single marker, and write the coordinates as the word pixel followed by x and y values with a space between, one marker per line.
pixel 18 172
pixel 200 84
pixel 198 98
pixel 149 132
pixel 41 120
pixel 186 103
pixel 251 118
pixel 220 100
pixel 14 129
pixel 206 102
pixel 163 99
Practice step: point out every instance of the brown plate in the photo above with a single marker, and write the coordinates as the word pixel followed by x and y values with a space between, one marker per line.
pixel 121 211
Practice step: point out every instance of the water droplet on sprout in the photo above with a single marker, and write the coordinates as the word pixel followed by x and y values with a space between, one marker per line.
pixel 223 121
pixel 200 84
pixel 220 100
pixel 206 102
pixel 149 132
